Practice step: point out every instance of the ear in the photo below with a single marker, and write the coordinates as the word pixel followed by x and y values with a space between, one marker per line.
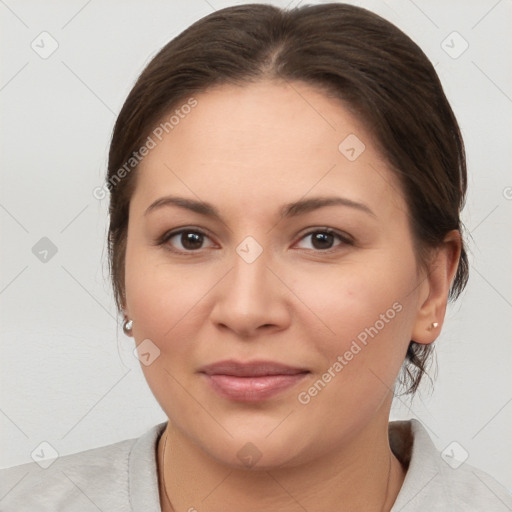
pixel 435 289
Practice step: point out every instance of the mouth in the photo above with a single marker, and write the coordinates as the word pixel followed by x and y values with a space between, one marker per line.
pixel 253 381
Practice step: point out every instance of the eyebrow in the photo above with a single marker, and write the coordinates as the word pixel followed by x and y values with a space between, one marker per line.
pixel 288 210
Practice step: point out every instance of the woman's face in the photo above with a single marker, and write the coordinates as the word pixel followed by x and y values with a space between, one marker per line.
pixel 332 291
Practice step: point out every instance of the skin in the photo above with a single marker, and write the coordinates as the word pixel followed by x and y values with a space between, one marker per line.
pixel 248 151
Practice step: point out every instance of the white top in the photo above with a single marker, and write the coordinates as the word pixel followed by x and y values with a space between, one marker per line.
pixel 123 477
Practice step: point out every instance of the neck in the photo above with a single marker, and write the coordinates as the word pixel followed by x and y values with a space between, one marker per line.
pixel 364 475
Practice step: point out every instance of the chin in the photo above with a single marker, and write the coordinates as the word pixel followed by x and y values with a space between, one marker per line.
pixel 257 450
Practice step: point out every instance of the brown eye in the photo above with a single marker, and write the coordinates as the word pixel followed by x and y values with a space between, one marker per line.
pixel 324 240
pixel 191 240
pixel 185 240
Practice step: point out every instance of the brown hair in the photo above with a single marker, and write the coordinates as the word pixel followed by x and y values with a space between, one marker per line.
pixel 349 53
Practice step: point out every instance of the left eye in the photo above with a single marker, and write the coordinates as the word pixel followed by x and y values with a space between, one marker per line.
pixel 323 239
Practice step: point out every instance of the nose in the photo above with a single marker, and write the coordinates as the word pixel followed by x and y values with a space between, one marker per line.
pixel 251 299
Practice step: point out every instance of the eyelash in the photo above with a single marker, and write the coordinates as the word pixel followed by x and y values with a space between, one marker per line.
pixel 344 239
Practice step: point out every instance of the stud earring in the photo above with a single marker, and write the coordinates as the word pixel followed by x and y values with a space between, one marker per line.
pixel 127 326
pixel 434 325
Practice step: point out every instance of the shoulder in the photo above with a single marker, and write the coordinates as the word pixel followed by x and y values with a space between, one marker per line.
pixel 95 479
pixel 71 482
pixel 439 482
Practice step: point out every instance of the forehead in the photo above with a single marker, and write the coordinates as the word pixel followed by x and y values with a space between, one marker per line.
pixel 268 140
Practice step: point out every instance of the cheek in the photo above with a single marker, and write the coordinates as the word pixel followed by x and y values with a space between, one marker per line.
pixel 169 304
pixel 371 313
pixel 164 302
pixel 367 310
pixel 157 294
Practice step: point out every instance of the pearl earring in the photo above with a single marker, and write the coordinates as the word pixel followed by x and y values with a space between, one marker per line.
pixel 434 325
pixel 127 326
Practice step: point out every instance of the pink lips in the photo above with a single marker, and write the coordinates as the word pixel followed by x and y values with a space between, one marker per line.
pixel 253 381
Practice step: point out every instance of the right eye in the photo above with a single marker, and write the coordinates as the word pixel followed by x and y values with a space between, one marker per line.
pixel 184 240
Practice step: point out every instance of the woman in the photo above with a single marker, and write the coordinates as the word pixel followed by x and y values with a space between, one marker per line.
pixel 284 235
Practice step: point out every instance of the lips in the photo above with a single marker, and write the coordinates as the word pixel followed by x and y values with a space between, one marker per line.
pixel 252 381
pixel 250 369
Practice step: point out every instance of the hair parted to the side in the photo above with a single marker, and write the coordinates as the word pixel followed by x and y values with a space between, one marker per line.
pixel 347 52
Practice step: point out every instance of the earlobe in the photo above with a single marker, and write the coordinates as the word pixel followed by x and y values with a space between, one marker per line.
pixel 441 272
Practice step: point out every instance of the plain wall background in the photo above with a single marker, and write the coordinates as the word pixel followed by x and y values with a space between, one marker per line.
pixel 68 375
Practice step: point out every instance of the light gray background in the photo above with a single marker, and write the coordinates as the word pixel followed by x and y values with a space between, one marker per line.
pixel 68 375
